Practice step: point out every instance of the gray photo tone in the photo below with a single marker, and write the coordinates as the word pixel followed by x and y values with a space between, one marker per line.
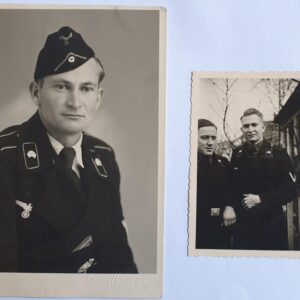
pixel 244 143
pixel 127 42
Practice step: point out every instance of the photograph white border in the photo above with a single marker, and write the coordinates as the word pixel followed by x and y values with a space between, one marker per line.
pixel 195 99
pixel 104 285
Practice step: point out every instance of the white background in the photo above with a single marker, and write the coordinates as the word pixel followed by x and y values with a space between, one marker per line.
pixel 217 35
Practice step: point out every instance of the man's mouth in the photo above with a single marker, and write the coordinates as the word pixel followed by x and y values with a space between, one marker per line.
pixel 71 115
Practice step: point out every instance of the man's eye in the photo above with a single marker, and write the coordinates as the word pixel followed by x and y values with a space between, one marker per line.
pixel 87 89
pixel 60 86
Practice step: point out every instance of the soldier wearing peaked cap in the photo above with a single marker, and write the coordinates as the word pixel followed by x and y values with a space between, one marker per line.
pixel 212 192
pixel 263 180
pixel 60 207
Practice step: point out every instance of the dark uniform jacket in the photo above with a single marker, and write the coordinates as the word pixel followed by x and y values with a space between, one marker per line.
pixel 47 223
pixel 268 173
pixel 212 196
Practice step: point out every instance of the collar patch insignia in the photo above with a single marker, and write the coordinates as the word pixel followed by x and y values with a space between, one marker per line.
pixel 269 153
pixel 99 167
pixel 30 154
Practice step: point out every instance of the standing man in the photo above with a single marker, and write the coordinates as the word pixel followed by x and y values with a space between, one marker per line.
pixel 60 209
pixel 263 181
pixel 212 192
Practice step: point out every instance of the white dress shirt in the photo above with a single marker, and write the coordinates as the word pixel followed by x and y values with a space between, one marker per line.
pixel 77 162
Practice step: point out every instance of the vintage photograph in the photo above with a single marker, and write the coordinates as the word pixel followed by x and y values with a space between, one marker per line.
pixel 81 151
pixel 244 164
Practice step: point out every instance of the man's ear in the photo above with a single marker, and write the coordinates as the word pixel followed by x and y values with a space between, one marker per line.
pixel 34 92
pixel 100 95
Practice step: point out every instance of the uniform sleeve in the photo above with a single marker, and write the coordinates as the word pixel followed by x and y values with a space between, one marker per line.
pixel 286 190
pixel 234 192
pixel 8 232
pixel 226 181
pixel 120 257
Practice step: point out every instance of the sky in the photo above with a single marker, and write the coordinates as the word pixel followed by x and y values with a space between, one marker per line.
pixel 243 94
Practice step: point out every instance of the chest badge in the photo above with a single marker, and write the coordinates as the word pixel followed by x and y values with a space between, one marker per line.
pixel 84 268
pixel 27 208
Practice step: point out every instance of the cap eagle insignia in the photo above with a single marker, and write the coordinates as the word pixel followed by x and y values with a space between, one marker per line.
pixel 65 39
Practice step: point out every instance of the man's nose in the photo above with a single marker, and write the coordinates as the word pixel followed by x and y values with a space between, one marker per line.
pixel 210 141
pixel 74 98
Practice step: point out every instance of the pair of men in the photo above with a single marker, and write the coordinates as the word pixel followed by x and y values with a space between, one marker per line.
pixel 60 207
pixel 249 192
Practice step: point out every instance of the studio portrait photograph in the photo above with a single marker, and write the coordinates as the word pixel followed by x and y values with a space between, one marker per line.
pixel 244 171
pixel 81 150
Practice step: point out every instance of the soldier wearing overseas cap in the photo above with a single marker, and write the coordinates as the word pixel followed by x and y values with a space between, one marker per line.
pixel 60 207
pixel 263 180
pixel 213 214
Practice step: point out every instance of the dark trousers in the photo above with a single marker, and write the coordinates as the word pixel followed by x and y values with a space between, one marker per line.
pixel 258 229
pixel 211 234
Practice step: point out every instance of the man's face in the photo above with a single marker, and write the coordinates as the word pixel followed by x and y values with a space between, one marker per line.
pixel 68 101
pixel 207 138
pixel 253 128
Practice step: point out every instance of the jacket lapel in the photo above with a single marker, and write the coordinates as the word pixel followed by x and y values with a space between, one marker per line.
pixel 71 211
pixel 98 189
pixel 62 203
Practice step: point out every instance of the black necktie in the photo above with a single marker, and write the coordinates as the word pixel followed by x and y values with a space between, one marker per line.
pixel 67 155
pixel 252 150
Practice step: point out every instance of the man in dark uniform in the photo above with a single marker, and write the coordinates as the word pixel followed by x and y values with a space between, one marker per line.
pixel 60 207
pixel 263 181
pixel 212 192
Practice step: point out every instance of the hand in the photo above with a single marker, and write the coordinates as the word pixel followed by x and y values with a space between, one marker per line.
pixel 250 200
pixel 229 216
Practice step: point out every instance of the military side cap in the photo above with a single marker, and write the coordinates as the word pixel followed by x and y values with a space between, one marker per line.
pixel 63 51
pixel 205 123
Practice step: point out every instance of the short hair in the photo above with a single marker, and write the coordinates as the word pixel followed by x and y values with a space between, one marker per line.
pixel 102 73
pixel 252 111
pixel 205 123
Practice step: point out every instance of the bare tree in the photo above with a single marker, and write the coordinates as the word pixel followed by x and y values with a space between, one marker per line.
pixel 225 88
pixel 277 90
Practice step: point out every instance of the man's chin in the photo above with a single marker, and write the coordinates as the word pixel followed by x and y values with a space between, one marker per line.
pixel 72 130
pixel 73 127
pixel 209 153
pixel 252 141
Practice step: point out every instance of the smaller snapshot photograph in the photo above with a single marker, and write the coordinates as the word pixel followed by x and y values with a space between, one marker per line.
pixel 244 165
